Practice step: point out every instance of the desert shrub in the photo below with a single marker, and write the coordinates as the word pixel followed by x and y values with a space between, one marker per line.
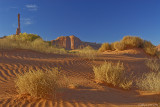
pixel 149 48
pixel 112 46
pixel 113 74
pixel 132 42
pixel 153 64
pixel 104 47
pixel 24 37
pixel 119 46
pixel 87 52
pixel 158 54
pixel 149 81
pixel 38 83
pixel 37 45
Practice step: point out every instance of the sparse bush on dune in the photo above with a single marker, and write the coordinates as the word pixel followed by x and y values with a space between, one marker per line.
pixel 29 41
pixel 158 54
pixel 153 65
pixel 132 42
pixel 149 48
pixel 113 74
pixel 119 46
pixel 39 83
pixel 149 82
pixel 104 47
pixel 112 46
pixel 88 52
pixel 24 37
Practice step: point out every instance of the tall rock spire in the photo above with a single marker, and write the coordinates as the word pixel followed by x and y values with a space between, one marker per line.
pixel 18 31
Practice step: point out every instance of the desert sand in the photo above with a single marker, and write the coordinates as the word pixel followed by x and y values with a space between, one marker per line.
pixel 85 92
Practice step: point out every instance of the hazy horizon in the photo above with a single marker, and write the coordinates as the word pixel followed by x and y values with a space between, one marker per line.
pixel 90 20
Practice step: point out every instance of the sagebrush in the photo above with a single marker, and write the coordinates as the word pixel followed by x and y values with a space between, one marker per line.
pixel 130 42
pixel 29 41
pixel 104 47
pixel 153 65
pixel 149 82
pixel 39 83
pixel 87 52
pixel 113 74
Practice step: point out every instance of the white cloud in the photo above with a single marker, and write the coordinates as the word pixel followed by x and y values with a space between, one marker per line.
pixel 31 7
pixel 26 21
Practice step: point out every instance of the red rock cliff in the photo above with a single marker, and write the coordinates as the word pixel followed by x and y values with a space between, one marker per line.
pixel 72 42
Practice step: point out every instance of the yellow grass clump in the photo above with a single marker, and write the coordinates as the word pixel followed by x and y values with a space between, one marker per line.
pixel 149 48
pixel 153 65
pixel 23 37
pixel 38 83
pixel 149 82
pixel 88 52
pixel 104 47
pixel 119 46
pixel 29 41
pixel 113 74
pixel 132 42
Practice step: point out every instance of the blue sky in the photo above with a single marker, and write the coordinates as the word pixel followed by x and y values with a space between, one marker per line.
pixel 91 20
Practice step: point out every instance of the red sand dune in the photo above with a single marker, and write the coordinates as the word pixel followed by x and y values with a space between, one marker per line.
pixel 87 94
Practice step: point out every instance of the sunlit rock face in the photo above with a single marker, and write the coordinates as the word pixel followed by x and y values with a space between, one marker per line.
pixel 158 47
pixel 72 42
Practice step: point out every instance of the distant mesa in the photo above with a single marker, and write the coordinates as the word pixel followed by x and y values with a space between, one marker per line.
pixel 73 42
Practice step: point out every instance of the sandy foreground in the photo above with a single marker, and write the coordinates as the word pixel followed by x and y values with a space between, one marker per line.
pixel 87 92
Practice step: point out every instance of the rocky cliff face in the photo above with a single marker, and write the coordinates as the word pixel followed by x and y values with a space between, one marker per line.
pixel 72 42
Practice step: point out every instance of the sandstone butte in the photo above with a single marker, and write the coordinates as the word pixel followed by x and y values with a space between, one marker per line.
pixel 158 47
pixel 73 42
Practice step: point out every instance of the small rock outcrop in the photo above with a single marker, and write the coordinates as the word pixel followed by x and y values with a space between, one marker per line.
pixel 72 42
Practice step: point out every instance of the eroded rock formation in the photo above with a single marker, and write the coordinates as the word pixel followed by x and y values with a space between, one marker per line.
pixel 72 42
pixel 18 31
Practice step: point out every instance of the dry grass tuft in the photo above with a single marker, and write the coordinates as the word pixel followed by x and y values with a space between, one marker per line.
pixel 149 82
pixel 132 42
pixel 88 52
pixel 39 83
pixel 29 41
pixel 104 47
pixel 113 74
pixel 119 46
pixel 149 48
pixel 153 64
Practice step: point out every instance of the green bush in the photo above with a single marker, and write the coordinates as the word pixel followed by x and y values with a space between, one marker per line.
pixel 113 74
pixel 104 47
pixel 119 46
pixel 132 42
pixel 38 83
